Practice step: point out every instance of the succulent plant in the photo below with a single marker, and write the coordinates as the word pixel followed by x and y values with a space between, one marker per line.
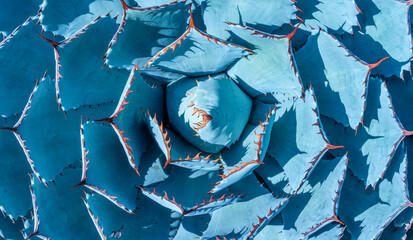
pixel 206 119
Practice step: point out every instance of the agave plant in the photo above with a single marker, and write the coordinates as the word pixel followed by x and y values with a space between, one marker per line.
pixel 206 119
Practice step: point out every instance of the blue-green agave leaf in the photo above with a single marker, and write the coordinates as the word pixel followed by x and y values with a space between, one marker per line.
pixel 259 110
pixel 67 17
pixel 266 16
pixel 25 58
pixel 105 165
pixel 316 204
pixel 274 226
pixel 274 65
pixel 298 140
pixel 186 189
pixel 190 228
pixel 392 232
pixel 196 53
pixel 12 229
pixel 112 222
pixel 128 121
pixel 179 152
pixel 385 133
pixel 273 177
pixel 244 219
pixel 209 112
pixel 409 146
pixel 14 13
pixel 401 93
pixel 152 3
pixel 329 232
pixel 156 160
pixel 146 31
pixel 91 83
pixel 246 154
pixel 400 226
pixel 337 15
pixel 61 211
pixel 341 92
pixel 367 213
pixel 14 179
pixel 205 207
pixel 391 29
pixel 43 126
pixel 384 31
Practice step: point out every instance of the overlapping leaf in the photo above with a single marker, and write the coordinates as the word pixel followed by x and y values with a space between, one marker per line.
pixel 274 66
pixel 179 152
pixel 298 140
pixel 106 169
pixel 196 54
pixel 69 220
pixel 246 154
pixel 385 133
pixel 14 13
pixel 385 31
pixel 25 58
pixel 112 222
pixel 338 15
pixel 65 18
pixel 14 178
pixel 80 76
pixel 173 192
pixel 366 213
pixel 242 219
pixel 341 91
pixel 316 203
pixel 209 112
pixel 144 32
pixel 128 120
pixel 267 15
pixel 51 137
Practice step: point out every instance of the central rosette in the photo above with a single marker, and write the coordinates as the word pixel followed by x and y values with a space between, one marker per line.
pixel 209 112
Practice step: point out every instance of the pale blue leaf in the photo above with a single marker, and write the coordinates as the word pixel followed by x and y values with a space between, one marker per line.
pixel 61 211
pixel 128 120
pixel 51 136
pixel 106 168
pixel 209 112
pixel 316 203
pixel 265 15
pixel 197 54
pixel 179 152
pixel 66 17
pixel 184 189
pixel 25 57
pixel 81 77
pixel 298 140
pixel 237 220
pixel 274 70
pixel 341 91
pixel 146 31
pixel 246 154
pixel 336 15
pixel 385 133
pixel 365 212
pixel 112 222
pixel 385 31
pixel 330 232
